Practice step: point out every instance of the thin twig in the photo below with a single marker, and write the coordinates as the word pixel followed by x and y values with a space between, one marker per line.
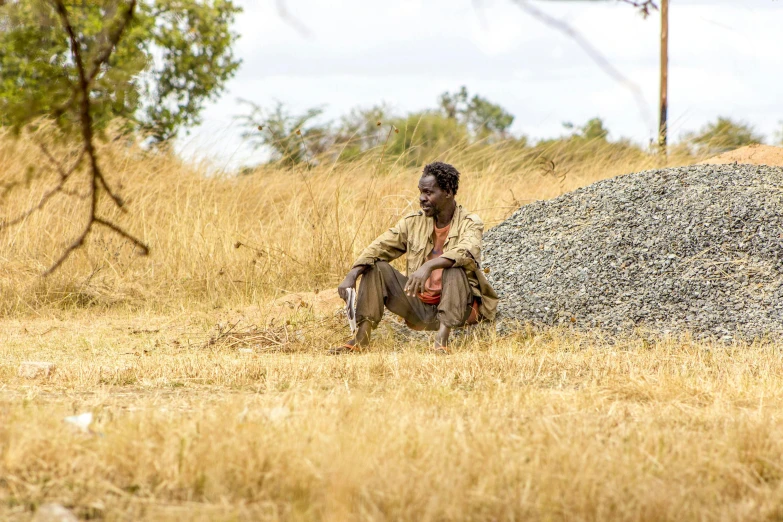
pixel 77 243
pixel 282 11
pixel 264 251
pixel 82 93
pixel 63 173
pixel 145 250
pixel 592 52
pixel 645 6
pixel 115 198
pixel 114 38
pixel 48 195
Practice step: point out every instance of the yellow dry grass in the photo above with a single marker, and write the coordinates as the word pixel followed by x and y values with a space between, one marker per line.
pixel 532 427
pixel 297 230
pixel 198 416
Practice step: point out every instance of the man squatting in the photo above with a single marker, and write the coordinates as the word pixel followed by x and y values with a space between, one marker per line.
pixel 445 287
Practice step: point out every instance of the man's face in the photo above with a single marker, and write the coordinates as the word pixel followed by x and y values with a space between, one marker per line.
pixel 432 198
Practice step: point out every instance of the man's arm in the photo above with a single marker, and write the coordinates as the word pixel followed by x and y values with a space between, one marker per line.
pixel 350 280
pixel 467 251
pixel 419 277
pixel 388 246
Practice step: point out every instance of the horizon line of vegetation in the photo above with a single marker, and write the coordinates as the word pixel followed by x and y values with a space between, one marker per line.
pixel 289 139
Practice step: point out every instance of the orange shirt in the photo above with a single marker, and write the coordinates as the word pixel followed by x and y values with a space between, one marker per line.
pixel 434 284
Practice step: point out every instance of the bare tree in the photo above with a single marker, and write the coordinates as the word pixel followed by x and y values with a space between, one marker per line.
pixel 96 183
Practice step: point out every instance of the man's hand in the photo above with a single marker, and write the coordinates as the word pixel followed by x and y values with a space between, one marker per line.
pixel 417 279
pixel 349 281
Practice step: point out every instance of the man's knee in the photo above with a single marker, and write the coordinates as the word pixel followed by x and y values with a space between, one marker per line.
pixel 378 266
pixel 381 267
pixel 376 278
pixel 456 297
pixel 455 276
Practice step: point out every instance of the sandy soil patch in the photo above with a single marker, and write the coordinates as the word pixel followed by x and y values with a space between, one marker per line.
pixel 751 155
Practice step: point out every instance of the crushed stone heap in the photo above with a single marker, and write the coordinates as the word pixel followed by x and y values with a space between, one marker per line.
pixel 696 248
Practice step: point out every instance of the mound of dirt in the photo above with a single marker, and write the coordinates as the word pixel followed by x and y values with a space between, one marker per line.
pixel 750 155
pixel 696 248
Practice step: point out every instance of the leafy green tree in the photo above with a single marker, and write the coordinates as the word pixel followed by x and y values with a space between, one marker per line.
pixel 483 118
pixel 361 130
pixel 584 143
pixel 416 136
pixel 454 104
pixel 723 135
pixel 291 138
pixel 423 135
pixel 488 118
pixel 173 57
pixel 593 129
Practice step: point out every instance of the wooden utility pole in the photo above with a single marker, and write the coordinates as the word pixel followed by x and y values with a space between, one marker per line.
pixel 664 106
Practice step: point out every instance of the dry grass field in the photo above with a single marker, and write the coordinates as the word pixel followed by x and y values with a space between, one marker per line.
pixel 213 399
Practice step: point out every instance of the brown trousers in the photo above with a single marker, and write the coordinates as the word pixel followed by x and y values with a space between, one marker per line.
pixel 383 287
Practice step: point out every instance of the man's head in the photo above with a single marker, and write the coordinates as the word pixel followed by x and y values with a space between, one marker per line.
pixel 437 187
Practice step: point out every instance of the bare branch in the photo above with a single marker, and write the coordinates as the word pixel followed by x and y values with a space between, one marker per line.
pixel 77 243
pixel 114 197
pixel 48 195
pixel 114 38
pixel 644 6
pixel 282 11
pixel 593 53
pixel 103 56
pixel 64 174
pixel 145 250
pixel 98 180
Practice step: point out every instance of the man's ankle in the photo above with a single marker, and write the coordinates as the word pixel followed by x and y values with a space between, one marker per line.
pixel 363 334
pixel 442 337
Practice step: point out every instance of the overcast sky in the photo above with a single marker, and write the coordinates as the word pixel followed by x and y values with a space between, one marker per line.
pixel 726 59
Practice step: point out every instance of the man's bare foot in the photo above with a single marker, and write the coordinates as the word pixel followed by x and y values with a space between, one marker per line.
pixel 357 344
pixel 440 350
pixel 442 337
pixel 349 347
pixel 441 346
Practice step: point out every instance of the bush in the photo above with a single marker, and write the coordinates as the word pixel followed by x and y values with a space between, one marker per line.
pixel 722 135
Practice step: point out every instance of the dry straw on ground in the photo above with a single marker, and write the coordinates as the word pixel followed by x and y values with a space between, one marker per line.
pixel 532 427
pixel 213 400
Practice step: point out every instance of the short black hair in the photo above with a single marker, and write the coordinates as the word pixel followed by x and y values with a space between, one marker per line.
pixel 446 176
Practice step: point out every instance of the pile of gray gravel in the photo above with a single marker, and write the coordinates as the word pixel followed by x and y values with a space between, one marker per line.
pixel 696 249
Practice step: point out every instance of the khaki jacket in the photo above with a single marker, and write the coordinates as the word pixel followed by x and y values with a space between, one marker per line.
pixel 413 235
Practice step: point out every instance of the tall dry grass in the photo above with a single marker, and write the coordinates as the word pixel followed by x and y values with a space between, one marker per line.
pixel 221 239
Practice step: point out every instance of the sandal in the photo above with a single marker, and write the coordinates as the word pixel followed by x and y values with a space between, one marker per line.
pixel 344 348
